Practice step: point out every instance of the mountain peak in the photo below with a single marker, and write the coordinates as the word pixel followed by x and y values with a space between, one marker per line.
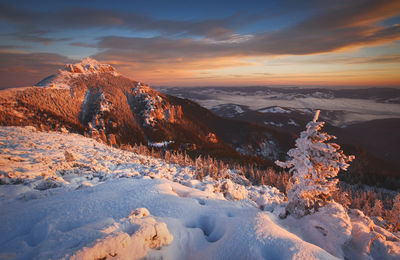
pixel 88 65
pixel 85 67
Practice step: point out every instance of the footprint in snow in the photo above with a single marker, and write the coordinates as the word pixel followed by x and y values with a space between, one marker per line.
pixel 201 202
pixel 211 231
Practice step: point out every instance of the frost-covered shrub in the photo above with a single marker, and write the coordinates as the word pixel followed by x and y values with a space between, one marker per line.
pixel 233 191
pixel 314 164
pixel 394 215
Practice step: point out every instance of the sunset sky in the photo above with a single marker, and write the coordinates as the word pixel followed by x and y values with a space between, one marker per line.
pixel 206 43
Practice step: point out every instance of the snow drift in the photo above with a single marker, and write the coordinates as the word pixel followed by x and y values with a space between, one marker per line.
pixel 67 196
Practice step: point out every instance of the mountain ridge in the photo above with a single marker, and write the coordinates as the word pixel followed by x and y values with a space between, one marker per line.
pixel 93 99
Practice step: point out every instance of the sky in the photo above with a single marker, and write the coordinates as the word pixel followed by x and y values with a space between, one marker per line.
pixel 206 43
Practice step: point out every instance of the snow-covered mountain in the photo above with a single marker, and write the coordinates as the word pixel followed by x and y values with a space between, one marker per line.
pixel 95 100
pixel 65 196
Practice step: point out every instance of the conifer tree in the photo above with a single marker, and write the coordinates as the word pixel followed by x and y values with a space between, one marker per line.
pixel 367 208
pixel 395 213
pixel 314 164
pixel 377 210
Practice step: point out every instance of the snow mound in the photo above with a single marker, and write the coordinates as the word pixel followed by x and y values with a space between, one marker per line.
pixel 130 238
pixel 347 234
pixel 278 243
pixel 369 240
pixel 330 228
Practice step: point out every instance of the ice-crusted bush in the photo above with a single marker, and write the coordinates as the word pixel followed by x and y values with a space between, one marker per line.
pixel 394 215
pixel 314 164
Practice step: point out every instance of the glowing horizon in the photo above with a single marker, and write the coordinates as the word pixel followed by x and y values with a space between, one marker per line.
pixel 207 44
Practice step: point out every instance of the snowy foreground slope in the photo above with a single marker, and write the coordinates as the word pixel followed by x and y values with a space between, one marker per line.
pixel 66 196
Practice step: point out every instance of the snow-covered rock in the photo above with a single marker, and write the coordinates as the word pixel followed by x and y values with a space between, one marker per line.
pixel 153 107
pixel 233 191
pixel 130 238
pixel 88 66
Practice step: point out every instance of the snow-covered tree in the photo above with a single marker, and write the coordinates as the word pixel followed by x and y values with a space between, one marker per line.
pixel 367 209
pixel 377 210
pixel 314 164
pixel 395 213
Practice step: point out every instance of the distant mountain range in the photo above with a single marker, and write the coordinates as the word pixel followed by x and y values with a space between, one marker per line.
pixel 366 121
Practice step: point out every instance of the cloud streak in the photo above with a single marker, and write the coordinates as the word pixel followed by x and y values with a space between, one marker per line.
pixel 333 30
pixel 188 47
pixel 28 21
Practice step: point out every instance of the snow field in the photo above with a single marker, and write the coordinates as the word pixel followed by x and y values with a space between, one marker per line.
pixel 66 196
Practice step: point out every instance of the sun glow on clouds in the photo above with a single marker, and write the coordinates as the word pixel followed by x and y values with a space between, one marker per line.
pixel 279 70
pixel 354 43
